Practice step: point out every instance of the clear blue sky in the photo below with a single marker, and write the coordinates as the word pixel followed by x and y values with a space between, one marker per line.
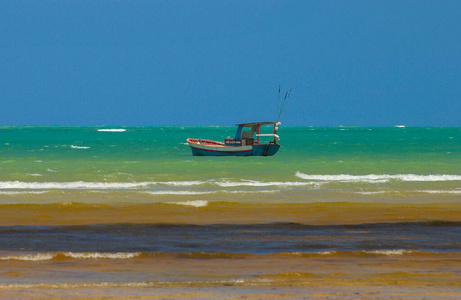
pixel 351 63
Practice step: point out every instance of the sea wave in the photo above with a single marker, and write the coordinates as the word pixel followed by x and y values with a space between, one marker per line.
pixel 237 183
pixel 183 183
pixel 195 203
pixel 177 193
pixel 198 187
pixel 79 147
pixel 133 284
pixel 389 252
pixel 455 192
pixel 440 191
pixel 264 184
pixel 377 178
pixel 31 257
pixel 98 255
pixel 73 285
pixel 74 255
pixel 37 257
pixel 72 185
pixel 112 130
pixel 22 192
pixel 124 185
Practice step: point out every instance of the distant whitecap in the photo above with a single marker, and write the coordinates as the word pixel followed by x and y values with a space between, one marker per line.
pixel 112 130
pixel 79 147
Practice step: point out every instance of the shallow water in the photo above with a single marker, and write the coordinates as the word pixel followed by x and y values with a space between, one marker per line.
pixel 107 210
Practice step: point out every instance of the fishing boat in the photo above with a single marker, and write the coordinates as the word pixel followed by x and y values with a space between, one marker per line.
pixel 248 141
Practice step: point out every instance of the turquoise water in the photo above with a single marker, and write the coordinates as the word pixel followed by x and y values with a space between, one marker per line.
pixel 140 153
pixel 156 160
pixel 313 164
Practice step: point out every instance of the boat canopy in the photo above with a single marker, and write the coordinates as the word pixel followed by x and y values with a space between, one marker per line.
pixel 254 128
pixel 256 123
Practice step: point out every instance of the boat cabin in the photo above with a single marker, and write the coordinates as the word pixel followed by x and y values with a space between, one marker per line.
pixel 249 134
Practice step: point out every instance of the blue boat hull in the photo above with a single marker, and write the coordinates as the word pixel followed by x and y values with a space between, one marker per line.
pixel 256 150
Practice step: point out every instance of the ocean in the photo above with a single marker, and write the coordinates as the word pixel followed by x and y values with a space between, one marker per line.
pixel 128 211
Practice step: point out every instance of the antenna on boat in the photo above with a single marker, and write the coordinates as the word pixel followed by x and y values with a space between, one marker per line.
pixel 278 103
pixel 287 96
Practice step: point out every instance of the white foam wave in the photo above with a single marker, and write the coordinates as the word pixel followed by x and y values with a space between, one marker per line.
pixel 183 183
pixel 177 193
pixel 195 203
pixel 79 147
pixel 112 130
pixel 311 253
pixel 440 191
pixel 75 255
pixel 264 184
pixel 68 285
pixel 23 185
pixel 376 178
pixel 249 183
pixel 375 192
pixel 389 252
pixel 252 192
pixel 132 284
pixel 22 192
pixel 411 191
pixel 98 255
pixel 30 257
pixel 71 185
pixel 326 252
pixel 185 193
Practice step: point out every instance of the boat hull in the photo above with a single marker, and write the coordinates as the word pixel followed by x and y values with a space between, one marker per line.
pixel 219 150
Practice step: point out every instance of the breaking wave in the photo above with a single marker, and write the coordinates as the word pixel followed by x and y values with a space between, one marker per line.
pixel 22 192
pixel 36 257
pixel 441 192
pixel 177 193
pixel 389 252
pixel 71 185
pixel 200 187
pixel 377 178
pixel 74 255
pixel 263 184
pixel 126 185
pixel 184 183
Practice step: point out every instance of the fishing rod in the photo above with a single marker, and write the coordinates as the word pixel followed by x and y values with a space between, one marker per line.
pixel 278 103
pixel 282 109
